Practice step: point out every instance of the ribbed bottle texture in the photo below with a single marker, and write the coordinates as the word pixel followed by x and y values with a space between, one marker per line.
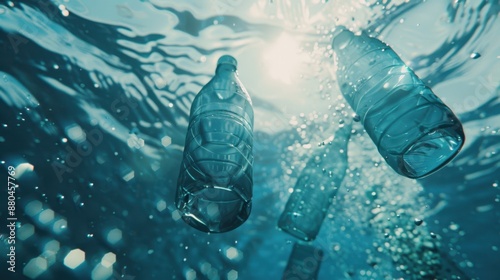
pixel 214 188
pixel 413 129
pixel 304 263
pixel 316 186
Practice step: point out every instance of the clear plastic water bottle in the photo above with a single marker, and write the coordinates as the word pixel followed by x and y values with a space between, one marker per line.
pixel 316 186
pixel 214 188
pixel 413 129
pixel 304 263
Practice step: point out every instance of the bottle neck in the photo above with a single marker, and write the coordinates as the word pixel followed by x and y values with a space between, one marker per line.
pixel 225 69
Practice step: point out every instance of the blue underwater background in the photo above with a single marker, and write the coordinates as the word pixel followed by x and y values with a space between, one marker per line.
pixel 94 107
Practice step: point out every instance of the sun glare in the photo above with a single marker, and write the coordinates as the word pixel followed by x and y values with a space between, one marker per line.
pixel 283 59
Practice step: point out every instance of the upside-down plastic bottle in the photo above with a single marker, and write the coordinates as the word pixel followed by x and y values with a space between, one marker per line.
pixel 214 188
pixel 315 188
pixel 304 263
pixel 413 129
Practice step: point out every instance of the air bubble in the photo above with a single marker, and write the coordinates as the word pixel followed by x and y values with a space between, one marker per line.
pixel 475 55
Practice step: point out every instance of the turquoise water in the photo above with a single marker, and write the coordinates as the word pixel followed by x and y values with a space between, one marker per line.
pixel 95 98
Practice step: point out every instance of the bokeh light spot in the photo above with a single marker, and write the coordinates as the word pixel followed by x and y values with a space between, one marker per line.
pixel 166 141
pixel 114 236
pixel 33 208
pixel 161 205
pixel 25 231
pixel 190 274
pixel 74 258
pixel 108 259
pixel 46 216
pixel 35 267
pixel 232 275
pixel 60 226
pixel 101 272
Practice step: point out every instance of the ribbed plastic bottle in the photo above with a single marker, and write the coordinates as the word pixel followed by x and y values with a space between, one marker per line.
pixel 304 263
pixel 413 129
pixel 214 188
pixel 315 188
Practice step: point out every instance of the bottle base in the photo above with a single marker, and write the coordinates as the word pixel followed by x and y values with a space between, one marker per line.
pixel 302 227
pixel 213 209
pixel 431 152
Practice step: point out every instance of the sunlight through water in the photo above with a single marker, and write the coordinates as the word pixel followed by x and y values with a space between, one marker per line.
pixel 283 59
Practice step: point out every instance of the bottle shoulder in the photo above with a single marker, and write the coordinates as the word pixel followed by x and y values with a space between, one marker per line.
pixel 209 101
pixel 224 89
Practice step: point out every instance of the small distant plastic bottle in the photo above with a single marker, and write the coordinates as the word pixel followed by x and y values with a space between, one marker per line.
pixel 316 186
pixel 214 188
pixel 413 129
pixel 304 263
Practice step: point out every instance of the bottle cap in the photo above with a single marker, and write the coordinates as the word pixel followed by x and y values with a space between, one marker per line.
pixel 342 37
pixel 227 59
